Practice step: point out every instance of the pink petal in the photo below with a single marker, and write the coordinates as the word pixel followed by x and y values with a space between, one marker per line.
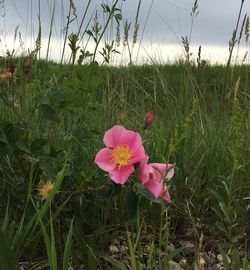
pixel 170 171
pixel 167 196
pixel 159 169
pixel 138 155
pixel 121 175
pixel 130 138
pixel 144 170
pixel 154 187
pixel 104 160
pixel 112 136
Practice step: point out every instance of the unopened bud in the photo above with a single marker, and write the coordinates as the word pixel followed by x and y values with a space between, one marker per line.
pixel 149 118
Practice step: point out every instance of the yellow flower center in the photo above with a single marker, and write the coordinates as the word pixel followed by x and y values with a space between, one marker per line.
pixel 45 188
pixel 121 155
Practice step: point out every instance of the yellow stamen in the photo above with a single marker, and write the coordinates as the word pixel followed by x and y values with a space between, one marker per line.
pixel 45 188
pixel 5 75
pixel 121 155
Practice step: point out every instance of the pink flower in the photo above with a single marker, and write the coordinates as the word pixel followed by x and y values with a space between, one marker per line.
pixel 154 177
pixel 124 149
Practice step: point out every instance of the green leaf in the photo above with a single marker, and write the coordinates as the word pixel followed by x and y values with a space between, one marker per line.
pixel 236 260
pixel 92 77
pixel 37 146
pixel 58 98
pixel 225 258
pixel 7 258
pixel 47 112
pixel 68 248
pixel 3 149
pixel 48 164
pixel 6 218
pixel 222 227
pixel 77 99
pixel 115 263
pixel 224 209
pixel 12 132
pixel 118 16
pixel 23 147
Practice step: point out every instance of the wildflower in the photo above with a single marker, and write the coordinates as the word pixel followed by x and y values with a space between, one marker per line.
pixel 154 177
pixel 45 188
pixel 5 74
pixel 124 149
pixel 149 118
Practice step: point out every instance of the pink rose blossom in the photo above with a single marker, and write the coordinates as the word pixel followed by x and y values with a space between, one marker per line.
pixel 154 176
pixel 124 149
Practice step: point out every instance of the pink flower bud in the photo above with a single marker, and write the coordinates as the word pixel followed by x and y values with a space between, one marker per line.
pixel 149 118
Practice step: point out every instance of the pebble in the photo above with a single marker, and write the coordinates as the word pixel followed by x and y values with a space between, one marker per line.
pixel 183 263
pixel 171 248
pixel 188 248
pixel 177 257
pixel 220 259
pixel 174 266
pixel 202 261
pixel 123 249
pixel 113 249
pixel 218 267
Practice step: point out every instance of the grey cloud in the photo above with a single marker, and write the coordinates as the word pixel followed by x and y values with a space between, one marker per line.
pixel 167 22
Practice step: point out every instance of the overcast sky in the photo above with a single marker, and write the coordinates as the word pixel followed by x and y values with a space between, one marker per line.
pixel 162 22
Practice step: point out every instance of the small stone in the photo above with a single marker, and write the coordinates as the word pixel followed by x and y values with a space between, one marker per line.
pixel 218 267
pixel 177 257
pixel 188 248
pixel 202 261
pixel 113 249
pixel 174 266
pixel 123 249
pixel 183 263
pixel 146 249
pixel 219 258
pixel 189 233
pixel 116 242
pixel 171 248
